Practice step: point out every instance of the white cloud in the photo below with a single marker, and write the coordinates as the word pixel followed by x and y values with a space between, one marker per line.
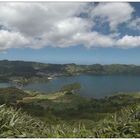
pixel 63 32
pixel 114 13
pixel 11 40
pixel 38 25
pixel 42 23
pixel 94 39
pixel 135 24
pixel 36 18
pixel 129 41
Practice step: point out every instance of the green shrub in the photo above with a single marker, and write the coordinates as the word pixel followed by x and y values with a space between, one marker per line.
pixel 123 124
pixel 14 123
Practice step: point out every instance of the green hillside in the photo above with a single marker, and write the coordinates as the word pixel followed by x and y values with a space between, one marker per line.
pixel 24 72
pixel 32 114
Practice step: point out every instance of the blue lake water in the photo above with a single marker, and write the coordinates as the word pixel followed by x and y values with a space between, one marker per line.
pixel 92 86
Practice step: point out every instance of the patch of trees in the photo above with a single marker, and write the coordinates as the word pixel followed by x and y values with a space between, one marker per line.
pixel 71 88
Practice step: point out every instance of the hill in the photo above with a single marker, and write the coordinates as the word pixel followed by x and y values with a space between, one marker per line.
pixel 113 117
pixel 33 114
pixel 29 69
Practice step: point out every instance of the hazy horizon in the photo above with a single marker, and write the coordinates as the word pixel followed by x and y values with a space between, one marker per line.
pixel 68 63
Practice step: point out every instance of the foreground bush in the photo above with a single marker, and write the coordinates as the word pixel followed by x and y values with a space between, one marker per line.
pixel 123 124
pixel 14 123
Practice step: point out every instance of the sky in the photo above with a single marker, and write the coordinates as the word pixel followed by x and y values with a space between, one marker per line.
pixel 70 32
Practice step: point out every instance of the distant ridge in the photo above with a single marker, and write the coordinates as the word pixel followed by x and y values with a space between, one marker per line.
pixel 25 61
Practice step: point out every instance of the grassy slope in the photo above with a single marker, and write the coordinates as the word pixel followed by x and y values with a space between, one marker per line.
pixel 14 123
pixel 124 123
pixel 63 113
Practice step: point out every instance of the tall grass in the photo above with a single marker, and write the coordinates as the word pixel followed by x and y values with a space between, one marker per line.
pixel 14 123
pixel 122 124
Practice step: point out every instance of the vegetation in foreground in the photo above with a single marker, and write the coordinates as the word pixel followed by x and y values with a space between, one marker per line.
pixel 123 124
pixel 32 114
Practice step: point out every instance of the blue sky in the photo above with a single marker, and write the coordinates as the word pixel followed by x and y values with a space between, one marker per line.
pixel 86 33
pixel 79 55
